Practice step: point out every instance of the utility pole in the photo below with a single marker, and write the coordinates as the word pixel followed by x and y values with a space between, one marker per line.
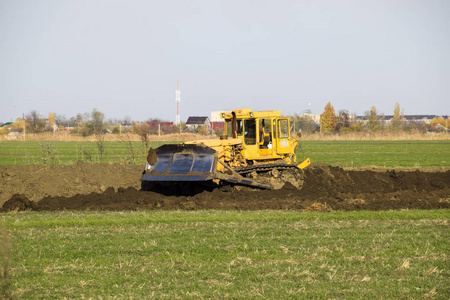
pixel 177 101
pixel 24 127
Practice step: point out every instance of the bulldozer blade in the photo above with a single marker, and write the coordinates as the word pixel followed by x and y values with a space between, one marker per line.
pixel 182 162
pixel 190 162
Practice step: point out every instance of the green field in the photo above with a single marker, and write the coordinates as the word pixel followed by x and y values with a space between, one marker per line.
pixel 30 153
pixel 388 154
pixel 340 153
pixel 217 254
pixel 227 254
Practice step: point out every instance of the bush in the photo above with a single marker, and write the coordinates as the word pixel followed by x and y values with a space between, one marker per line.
pixel 345 129
pixel 201 130
pixel 4 130
pixel 219 131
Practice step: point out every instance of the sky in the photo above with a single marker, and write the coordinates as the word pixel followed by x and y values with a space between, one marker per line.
pixel 124 57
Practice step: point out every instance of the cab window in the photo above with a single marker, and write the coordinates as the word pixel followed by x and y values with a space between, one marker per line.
pixel 267 126
pixel 250 132
pixel 239 128
pixel 265 133
pixel 283 128
pixel 229 128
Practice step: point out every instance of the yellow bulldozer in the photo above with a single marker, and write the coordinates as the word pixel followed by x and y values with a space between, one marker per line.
pixel 257 150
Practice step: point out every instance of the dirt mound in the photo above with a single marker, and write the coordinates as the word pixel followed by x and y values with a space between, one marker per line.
pixel 326 188
pixel 19 202
pixel 39 181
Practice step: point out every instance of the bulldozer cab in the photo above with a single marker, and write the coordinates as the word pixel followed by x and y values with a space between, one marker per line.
pixel 264 134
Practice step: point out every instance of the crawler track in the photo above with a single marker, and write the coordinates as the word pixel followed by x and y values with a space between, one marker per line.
pixel 275 174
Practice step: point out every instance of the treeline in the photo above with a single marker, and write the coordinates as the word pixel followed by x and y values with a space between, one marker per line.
pixel 332 122
pixel 87 124
pixel 94 123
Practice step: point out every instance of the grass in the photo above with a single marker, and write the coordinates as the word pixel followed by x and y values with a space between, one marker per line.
pixel 5 260
pixel 431 153
pixel 388 154
pixel 30 153
pixel 224 254
pixel 212 254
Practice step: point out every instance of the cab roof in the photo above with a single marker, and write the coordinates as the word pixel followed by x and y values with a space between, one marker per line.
pixel 243 113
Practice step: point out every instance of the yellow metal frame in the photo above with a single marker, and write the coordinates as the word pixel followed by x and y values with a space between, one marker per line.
pixel 247 113
pixel 285 150
pixel 282 148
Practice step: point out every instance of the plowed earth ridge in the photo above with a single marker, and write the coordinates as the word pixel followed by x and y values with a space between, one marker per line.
pixel 116 187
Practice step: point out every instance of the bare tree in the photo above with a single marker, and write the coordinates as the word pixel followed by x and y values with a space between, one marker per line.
pixel 61 120
pixel 373 119
pixel 126 121
pixel 127 139
pixel 304 123
pixel 98 126
pixel 98 129
pixel 144 131
pixel 343 120
pixel 35 123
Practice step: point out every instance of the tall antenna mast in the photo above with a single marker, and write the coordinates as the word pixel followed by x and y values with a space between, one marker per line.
pixel 177 101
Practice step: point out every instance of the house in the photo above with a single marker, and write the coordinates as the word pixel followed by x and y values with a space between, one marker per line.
pixel 6 124
pixel 218 125
pixel 155 124
pixel 216 120
pixel 193 122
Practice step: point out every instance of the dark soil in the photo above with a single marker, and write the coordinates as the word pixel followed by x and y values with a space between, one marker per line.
pixel 116 187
